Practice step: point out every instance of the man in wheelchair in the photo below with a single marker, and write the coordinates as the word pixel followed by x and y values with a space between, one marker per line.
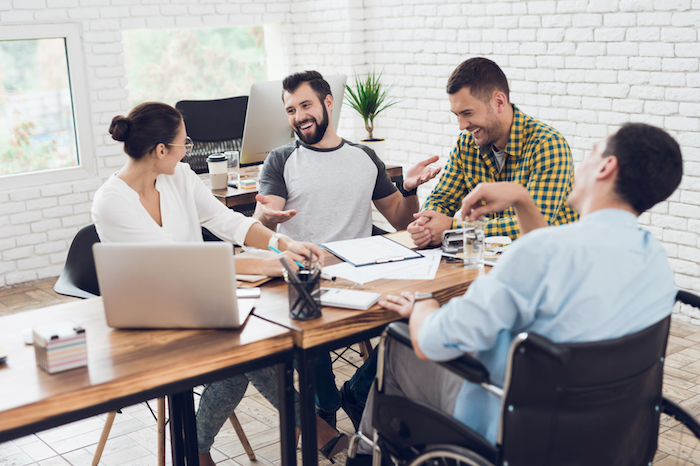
pixel 600 278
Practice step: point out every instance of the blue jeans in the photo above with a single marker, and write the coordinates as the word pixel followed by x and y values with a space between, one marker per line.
pixel 361 381
pixel 219 399
pixel 327 394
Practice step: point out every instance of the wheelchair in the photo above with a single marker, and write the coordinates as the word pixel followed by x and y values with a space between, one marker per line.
pixel 597 403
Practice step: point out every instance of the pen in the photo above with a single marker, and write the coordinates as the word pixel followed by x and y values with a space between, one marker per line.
pixel 388 259
pixel 280 252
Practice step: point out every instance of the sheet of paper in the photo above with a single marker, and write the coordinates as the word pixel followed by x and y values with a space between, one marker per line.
pixel 415 269
pixel 363 251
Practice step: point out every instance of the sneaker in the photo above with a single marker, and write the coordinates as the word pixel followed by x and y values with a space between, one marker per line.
pixel 330 418
pixel 350 405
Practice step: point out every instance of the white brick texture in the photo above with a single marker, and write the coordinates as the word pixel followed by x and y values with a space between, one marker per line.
pixel 584 66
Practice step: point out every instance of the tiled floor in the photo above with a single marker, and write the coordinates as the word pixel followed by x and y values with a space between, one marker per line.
pixel 133 437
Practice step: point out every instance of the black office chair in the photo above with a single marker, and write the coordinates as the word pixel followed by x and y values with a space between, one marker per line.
pixel 214 126
pixel 562 404
pixel 79 279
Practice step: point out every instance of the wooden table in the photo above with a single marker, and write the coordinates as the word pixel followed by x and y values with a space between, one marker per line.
pixel 341 327
pixel 129 366
pixel 239 198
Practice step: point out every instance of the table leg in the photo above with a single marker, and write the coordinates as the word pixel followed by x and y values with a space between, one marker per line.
pixel 183 429
pixel 285 384
pixel 307 406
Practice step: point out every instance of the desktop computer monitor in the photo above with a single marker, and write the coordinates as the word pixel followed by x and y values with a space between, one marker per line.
pixel 266 126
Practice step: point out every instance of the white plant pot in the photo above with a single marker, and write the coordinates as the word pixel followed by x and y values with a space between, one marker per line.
pixel 378 146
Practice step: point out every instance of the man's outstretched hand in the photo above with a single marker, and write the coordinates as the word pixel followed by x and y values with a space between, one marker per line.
pixel 271 214
pixel 420 173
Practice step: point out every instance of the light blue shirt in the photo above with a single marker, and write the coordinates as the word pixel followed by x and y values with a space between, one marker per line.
pixel 600 278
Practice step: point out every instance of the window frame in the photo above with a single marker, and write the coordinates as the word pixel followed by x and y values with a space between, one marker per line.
pixel 80 97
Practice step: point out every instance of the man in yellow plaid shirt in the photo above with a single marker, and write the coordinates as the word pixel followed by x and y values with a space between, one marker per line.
pixel 498 143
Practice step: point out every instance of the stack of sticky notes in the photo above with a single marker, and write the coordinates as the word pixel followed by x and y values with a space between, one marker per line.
pixel 60 346
pixel 247 184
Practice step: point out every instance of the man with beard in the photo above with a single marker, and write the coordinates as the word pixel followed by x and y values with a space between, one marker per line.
pixel 328 185
pixel 498 143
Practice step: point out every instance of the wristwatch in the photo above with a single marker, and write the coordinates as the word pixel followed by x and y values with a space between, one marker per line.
pixel 275 240
pixel 421 295
pixel 405 193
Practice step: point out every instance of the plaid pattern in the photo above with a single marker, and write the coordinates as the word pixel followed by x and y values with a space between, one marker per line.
pixel 536 157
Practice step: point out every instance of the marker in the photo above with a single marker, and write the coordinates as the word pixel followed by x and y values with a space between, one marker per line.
pixel 280 252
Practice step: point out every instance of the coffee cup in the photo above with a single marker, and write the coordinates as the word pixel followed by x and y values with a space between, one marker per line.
pixel 218 171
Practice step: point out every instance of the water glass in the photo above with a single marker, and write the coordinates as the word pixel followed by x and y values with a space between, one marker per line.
pixel 473 242
pixel 234 166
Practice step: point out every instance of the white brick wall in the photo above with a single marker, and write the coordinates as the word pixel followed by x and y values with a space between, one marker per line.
pixel 583 66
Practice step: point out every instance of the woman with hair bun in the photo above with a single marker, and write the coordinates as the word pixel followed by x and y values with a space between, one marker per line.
pixel 155 198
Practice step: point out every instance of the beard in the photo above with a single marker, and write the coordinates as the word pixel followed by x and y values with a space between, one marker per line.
pixel 492 132
pixel 316 136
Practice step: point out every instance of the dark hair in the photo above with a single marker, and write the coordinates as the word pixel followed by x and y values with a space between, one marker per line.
pixel 482 76
pixel 147 125
pixel 319 85
pixel 650 164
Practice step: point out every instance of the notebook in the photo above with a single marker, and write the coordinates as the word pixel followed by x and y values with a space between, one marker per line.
pixel 349 299
pixel 178 285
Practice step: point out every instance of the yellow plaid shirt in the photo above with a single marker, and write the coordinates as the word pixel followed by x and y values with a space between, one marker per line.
pixel 537 157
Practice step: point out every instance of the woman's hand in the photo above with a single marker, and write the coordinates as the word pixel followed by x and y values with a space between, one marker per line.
pixel 302 251
pixel 273 267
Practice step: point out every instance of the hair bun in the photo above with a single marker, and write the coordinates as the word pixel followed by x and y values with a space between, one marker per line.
pixel 119 129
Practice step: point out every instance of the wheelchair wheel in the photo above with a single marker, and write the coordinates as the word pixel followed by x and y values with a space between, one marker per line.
pixel 679 437
pixel 448 455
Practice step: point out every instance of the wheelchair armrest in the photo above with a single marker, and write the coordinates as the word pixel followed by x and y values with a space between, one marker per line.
pixel 688 298
pixel 399 331
pixel 465 366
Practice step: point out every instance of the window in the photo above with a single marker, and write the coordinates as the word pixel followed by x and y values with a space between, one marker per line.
pixel 44 125
pixel 169 65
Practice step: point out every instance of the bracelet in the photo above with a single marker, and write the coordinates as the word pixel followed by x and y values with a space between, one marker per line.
pixel 405 193
pixel 275 240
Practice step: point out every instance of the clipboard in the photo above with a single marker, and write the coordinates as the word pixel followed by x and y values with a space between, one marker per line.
pixel 370 251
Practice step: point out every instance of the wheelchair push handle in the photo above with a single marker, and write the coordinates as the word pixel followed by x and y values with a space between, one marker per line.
pixel 547 346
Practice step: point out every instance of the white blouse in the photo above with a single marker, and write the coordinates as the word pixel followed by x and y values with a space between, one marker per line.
pixel 186 205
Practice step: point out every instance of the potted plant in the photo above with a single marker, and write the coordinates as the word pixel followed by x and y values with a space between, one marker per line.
pixel 368 99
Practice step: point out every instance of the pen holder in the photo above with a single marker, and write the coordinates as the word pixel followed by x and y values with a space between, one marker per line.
pixel 304 297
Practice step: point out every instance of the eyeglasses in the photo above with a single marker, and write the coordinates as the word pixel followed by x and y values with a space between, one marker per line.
pixel 188 145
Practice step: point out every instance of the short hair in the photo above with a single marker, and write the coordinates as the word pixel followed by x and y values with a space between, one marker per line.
pixel 481 75
pixel 147 125
pixel 319 85
pixel 650 164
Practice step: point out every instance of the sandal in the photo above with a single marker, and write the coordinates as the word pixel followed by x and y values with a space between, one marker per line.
pixel 339 443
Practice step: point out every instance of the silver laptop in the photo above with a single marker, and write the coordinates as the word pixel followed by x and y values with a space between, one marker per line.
pixel 266 125
pixel 180 285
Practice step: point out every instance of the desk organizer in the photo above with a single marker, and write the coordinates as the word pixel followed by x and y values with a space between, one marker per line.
pixel 60 346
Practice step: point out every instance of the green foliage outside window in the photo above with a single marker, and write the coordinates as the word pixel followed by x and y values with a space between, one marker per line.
pixel 36 111
pixel 193 64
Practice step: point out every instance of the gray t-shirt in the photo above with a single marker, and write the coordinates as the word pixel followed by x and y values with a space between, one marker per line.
pixel 331 189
